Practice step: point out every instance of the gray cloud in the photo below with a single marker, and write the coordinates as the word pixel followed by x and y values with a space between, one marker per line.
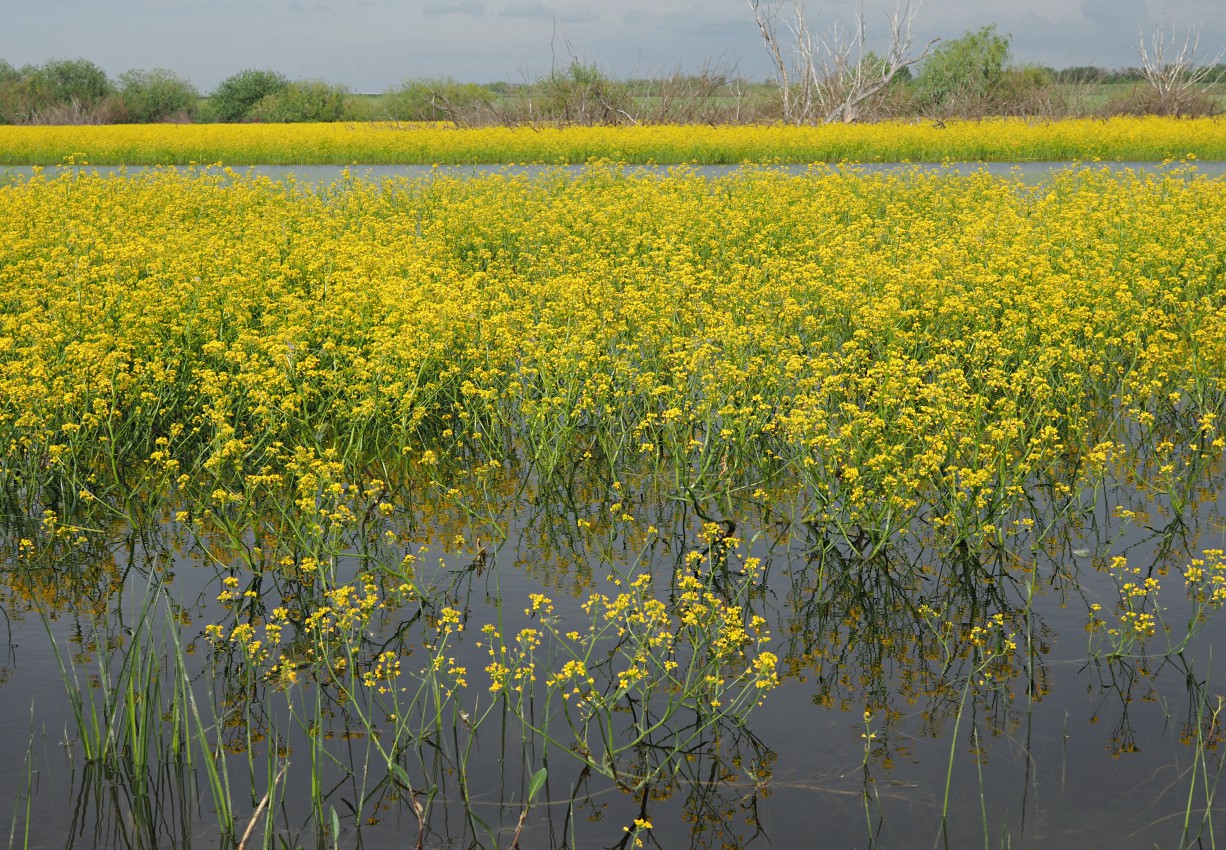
pixel 475 8
pixel 540 12
pixel 1115 13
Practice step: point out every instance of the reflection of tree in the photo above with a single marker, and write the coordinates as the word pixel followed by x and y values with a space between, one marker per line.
pixel 720 808
pixel 1117 680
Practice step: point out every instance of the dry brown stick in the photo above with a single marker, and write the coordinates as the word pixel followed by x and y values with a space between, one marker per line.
pixel 259 810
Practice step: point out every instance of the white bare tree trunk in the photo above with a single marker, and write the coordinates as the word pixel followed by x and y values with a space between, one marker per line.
pixel 1172 67
pixel 833 77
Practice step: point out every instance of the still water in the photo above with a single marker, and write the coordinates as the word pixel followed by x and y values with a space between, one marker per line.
pixel 881 734
pixel 1028 173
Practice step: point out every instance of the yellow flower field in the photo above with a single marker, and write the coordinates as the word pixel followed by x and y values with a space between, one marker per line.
pixel 1007 140
pixel 890 347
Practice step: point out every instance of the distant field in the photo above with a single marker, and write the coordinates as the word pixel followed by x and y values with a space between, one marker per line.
pixel 1092 97
pixel 995 140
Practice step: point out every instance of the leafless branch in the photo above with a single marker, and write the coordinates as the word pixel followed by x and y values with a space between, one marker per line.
pixel 834 75
pixel 1171 66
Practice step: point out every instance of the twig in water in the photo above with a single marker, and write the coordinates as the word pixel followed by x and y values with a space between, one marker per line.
pixel 259 810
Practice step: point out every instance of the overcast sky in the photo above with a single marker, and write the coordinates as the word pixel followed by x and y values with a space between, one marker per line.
pixel 371 45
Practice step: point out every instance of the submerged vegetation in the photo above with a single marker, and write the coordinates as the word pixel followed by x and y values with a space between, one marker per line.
pixel 1005 140
pixel 378 499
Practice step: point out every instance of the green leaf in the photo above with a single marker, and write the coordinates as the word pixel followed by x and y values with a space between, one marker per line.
pixel 538 781
pixel 399 774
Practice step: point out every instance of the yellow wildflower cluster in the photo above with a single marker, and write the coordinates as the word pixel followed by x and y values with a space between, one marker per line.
pixel 1138 611
pixel 702 652
pixel 291 640
pixel 894 353
pixel 1205 578
pixel 512 666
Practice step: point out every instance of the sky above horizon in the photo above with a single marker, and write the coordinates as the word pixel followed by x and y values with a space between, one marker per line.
pixel 372 45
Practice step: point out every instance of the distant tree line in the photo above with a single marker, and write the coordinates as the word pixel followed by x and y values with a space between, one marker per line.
pixel 76 91
pixel 969 76
pixel 1093 74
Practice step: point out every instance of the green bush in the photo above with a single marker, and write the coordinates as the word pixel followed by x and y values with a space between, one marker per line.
pixel 14 94
pixel 1144 100
pixel 311 100
pixel 236 95
pixel 1030 91
pixel 157 95
pixel 583 94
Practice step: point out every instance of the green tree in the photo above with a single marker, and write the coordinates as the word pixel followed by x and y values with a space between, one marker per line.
pixel 969 68
pixel 235 96
pixel 156 95
pixel 59 91
pixel 12 94
pixel 73 81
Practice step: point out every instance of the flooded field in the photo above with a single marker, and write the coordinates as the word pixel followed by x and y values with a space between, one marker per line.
pixel 596 508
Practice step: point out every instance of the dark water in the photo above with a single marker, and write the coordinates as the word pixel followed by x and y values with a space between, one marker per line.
pixel 1069 748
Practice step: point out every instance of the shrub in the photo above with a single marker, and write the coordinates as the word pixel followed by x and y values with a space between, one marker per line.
pixel 967 69
pixel 236 95
pixel 583 94
pixel 62 91
pixel 438 99
pixel 714 95
pixel 19 98
pixel 1029 91
pixel 311 100
pixel 157 95
pixel 1144 100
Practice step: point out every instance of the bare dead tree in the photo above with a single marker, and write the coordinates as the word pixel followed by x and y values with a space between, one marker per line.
pixel 1171 67
pixel 834 76
pixel 766 19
